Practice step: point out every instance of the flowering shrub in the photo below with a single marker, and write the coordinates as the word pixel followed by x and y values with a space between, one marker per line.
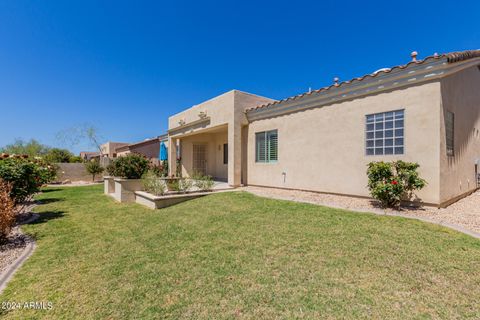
pixel 26 175
pixel 7 210
pixel 392 182
pixel 131 166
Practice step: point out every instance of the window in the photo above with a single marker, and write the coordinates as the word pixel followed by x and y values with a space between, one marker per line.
pixel 384 133
pixel 449 132
pixel 225 153
pixel 266 146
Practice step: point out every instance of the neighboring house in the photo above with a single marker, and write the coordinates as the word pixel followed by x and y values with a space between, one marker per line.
pixel 109 149
pixel 427 111
pixel 150 148
pixel 89 155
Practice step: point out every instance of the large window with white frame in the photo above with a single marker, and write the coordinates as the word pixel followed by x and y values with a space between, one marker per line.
pixel 266 146
pixel 384 133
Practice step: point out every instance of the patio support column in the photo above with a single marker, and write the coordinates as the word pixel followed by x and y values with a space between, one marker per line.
pixel 234 154
pixel 172 156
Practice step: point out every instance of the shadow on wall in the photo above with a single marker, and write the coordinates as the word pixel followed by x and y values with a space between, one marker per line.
pixel 461 96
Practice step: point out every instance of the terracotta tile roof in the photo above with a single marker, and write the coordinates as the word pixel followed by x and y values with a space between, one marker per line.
pixel 451 58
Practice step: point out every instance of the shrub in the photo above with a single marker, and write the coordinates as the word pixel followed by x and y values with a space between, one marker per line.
pixel 56 155
pixel 392 182
pixel 7 209
pixel 131 166
pixel 93 167
pixel 26 175
pixel 153 184
pixel 185 185
pixel 204 182
pixel 160 170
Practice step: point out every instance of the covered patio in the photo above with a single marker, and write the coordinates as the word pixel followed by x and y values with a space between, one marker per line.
pixel 202 152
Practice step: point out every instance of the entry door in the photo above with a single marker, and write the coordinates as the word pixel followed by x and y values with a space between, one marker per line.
pixel 200 159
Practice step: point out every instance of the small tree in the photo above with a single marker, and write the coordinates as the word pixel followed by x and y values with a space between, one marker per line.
pixel 93 167
pixel 57 155
pixel 392 182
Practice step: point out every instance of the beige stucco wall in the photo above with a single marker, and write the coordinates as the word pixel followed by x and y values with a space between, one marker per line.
pixel 460 95
pixel 323 149
pixel 225 110
pixel 109 148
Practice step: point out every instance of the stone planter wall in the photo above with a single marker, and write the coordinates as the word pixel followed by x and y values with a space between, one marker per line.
pixel 125 189
pixel 158 202
pixel 108 185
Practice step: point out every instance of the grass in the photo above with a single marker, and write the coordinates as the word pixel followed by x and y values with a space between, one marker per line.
pixel 234 255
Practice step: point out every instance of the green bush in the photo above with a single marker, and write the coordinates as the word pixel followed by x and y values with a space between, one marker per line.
pixel 203 182
pixel 131 166
pixel 56 155
pixel 93 167
pixel 392 182
pixel 153 184
pixel 26 175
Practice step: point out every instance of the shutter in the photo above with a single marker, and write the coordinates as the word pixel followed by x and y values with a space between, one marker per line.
pixel 260 146
pixel 272 138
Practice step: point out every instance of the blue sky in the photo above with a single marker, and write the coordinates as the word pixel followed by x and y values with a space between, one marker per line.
pixel 125 66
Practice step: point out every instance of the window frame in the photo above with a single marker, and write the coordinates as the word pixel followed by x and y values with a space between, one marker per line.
pixel 266 136
pixel 383 130
pixel 450 151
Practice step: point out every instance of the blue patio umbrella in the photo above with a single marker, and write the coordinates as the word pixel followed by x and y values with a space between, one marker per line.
pixel 163 152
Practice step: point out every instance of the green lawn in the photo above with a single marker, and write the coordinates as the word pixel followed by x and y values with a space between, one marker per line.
pixel 234 255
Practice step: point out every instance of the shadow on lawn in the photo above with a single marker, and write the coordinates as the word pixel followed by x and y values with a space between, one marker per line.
pixel 46 216
pixel 49 200
pixel 51 190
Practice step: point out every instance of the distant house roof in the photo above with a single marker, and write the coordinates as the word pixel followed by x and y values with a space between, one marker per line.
pixel 138 144
pixel 451 57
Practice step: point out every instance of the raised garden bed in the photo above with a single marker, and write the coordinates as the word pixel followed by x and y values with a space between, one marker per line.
pixel 169 199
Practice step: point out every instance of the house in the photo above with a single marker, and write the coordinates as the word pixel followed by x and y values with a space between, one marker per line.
pixel 150 148
pixel 89 155
pixel 109 149
pixel 426 111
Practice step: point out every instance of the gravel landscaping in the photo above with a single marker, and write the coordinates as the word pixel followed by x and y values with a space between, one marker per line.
pixel 17 241
pixel 465 213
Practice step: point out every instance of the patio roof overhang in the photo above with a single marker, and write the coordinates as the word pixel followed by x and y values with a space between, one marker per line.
pixel 196 128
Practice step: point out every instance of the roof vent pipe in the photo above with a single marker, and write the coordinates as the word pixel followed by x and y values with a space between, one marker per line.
pixel 335 80
pixel 435 55
pixel 414 55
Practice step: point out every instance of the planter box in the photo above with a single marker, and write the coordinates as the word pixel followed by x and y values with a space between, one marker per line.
pixel 108 185
pixel 125 189
pixel 158 202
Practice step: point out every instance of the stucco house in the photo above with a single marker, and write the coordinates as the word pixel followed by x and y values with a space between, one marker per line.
pixel 426 111
pixel 109 149
pixel 150 148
